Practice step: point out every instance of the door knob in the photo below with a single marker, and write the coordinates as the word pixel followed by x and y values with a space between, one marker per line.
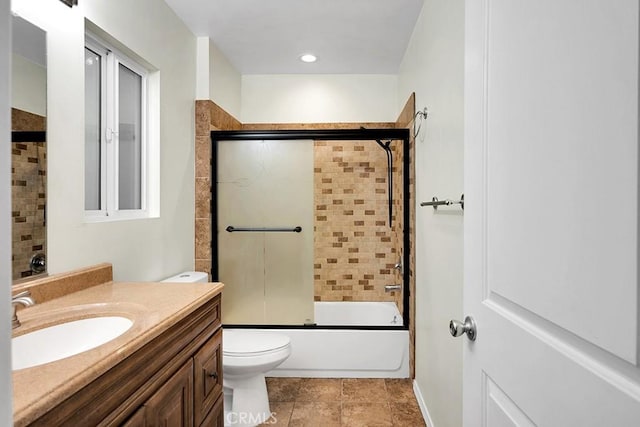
pixel 458 328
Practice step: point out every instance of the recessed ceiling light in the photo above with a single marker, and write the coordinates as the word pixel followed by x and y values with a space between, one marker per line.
pixel 307 57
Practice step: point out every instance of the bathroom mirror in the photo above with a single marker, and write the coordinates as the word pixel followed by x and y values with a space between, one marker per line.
pixel 28 149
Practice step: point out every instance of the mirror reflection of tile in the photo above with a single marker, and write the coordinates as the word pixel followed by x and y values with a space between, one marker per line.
pixel 28 193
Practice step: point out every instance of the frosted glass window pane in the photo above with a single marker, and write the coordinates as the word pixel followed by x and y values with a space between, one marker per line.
pixel 92 78
pixel 130 147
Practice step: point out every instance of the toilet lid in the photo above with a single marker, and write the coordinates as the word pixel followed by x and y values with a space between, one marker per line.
pixel 244 343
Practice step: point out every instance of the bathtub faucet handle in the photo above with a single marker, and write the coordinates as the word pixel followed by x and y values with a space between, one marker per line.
pixel 398 266
pixel 391 288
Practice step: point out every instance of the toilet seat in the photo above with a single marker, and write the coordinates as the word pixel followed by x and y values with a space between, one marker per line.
pixel 248 344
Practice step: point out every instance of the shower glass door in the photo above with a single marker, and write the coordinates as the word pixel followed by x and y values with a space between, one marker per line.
pixel 348 199
pixel 268 274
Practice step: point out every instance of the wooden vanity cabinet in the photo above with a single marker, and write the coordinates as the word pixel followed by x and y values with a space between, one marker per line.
pixel 191 397
pixel 170 405
pixel 207 378
pixel 174 380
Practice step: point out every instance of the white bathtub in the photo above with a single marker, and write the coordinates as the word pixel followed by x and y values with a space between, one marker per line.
pixel 357 313
pixel 348 353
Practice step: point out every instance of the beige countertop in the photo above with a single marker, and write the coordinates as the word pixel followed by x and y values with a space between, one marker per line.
pixel 153 308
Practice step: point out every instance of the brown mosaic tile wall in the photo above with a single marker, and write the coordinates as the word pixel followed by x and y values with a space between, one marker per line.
pixel 28 194
pixel 22 120
pixel 355 250
pixel 209 116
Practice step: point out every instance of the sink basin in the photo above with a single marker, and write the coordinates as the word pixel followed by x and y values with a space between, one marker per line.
pixel 64 340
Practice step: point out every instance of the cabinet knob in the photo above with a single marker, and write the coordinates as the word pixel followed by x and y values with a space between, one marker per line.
pixel 214 375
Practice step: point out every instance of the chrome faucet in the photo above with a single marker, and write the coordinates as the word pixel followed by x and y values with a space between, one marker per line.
pixel 391 288
pixel 24 299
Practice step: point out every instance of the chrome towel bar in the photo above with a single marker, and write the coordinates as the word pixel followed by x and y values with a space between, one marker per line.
pixel 232 229
pixel 435 202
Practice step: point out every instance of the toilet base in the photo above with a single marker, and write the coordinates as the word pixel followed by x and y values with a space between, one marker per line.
pixel 246 402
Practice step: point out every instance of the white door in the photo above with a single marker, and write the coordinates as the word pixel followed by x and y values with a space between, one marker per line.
pixel 551 213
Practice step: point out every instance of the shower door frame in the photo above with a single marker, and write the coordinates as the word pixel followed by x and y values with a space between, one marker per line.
pixel 401 134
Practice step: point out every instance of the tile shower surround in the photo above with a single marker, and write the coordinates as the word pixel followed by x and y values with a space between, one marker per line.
pixel 209 116
pixel 377 260
pixel 355 250
pixel 28 194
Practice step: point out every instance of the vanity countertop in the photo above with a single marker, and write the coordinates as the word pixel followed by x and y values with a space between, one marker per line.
pixel 153 308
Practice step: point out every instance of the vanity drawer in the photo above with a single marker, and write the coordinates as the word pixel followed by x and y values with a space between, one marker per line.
pixel 207 376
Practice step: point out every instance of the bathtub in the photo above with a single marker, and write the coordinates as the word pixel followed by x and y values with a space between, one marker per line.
pixel 357 313
pixel 348 353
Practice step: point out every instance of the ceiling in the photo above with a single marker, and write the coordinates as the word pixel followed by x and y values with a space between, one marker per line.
pixel 269 36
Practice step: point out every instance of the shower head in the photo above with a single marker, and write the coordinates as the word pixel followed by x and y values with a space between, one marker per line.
pixel 386 146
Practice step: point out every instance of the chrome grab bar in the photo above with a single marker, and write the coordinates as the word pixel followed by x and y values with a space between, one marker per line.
pixel 435 202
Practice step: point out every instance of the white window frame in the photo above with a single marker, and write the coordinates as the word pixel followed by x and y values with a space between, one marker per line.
pixel 111 59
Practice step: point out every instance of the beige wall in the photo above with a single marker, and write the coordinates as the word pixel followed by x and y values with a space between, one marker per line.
pixel 202 68
pixel 139 249
pixel 433 67
pixel 224 82
pixel 217 78
pixel 28 86
pixel 315 98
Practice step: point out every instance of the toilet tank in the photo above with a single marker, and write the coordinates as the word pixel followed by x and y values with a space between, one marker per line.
pixel 188 277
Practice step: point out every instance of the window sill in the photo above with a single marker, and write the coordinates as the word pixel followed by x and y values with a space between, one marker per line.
pixel 92 219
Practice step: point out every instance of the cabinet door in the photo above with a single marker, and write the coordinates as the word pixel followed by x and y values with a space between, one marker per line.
pixel 139 419
pixel 208 376
pixel 216 416
pixel 172 404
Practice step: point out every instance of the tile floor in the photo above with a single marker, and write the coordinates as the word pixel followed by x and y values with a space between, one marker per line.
pixel 349 402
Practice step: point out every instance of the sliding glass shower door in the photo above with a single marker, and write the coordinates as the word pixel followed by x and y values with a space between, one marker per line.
pixel 265 190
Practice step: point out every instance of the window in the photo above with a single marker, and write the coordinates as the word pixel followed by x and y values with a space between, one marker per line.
pixel 118 136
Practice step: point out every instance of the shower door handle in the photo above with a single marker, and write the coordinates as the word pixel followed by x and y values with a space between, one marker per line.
pixel 458 328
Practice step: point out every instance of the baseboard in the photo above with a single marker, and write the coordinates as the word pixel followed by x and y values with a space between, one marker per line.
pixel 422 404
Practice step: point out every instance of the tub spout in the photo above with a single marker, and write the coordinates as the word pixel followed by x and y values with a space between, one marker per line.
pixel 391 288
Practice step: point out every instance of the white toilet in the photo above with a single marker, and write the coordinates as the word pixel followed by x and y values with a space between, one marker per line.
pixel 246 357
pixel 188 277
